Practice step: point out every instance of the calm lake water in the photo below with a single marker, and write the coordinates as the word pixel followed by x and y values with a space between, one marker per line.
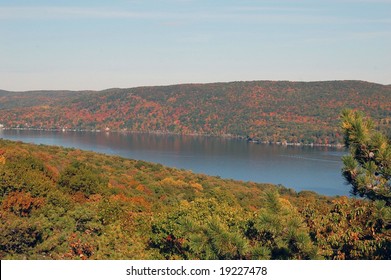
pixel 301 168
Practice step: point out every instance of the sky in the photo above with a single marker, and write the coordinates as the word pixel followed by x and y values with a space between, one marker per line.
pixel 99 44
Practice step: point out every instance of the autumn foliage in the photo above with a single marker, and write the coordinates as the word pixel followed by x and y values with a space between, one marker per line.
pixel 59 203
pixel 269 111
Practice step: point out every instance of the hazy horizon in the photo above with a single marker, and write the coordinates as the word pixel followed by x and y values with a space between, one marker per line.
pixel 194 83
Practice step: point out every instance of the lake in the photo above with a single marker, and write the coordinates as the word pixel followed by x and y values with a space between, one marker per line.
pixel 298 167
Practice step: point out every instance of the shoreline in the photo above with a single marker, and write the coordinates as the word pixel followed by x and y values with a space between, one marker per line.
pixel 226 136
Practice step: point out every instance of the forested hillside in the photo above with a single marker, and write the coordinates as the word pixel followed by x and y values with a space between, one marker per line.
pixel 58 203
pixel 295 112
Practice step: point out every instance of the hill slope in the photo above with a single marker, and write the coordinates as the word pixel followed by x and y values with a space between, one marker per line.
pixel 58 203
pixel 270 111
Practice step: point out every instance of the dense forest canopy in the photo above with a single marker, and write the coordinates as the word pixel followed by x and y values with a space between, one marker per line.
pixel 296 112
pixel 61 203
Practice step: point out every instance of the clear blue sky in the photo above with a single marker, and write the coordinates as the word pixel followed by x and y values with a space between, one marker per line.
pixel 100 44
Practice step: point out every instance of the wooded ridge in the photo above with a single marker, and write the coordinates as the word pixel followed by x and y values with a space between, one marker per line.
pixel 61 203
pixel 269 111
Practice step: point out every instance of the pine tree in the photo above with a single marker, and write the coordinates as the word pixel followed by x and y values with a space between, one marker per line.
pixel 368 166
pixel 279 231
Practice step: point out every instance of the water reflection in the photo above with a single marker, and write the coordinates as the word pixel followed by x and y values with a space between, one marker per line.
pixel 301 168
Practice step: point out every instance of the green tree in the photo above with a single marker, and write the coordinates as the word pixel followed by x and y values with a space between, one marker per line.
pixel 350 229
pixel 368 166
pixel 279 232
pixel 79 177
pixel 202 229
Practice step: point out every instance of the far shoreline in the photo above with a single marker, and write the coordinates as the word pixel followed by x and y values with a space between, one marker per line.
pixel 226 136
